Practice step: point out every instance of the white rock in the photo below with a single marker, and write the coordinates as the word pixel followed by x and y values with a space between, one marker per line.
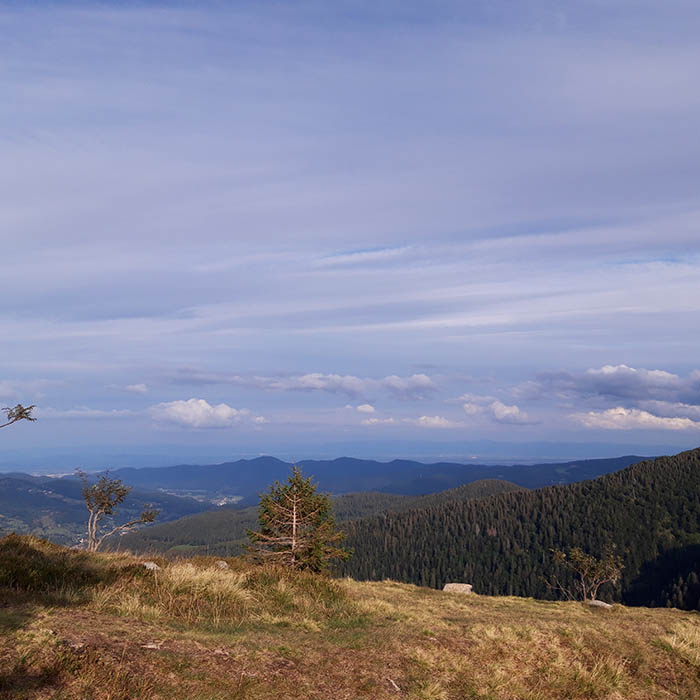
pixel 458 587
pixel 221 564
pixel 151 566
pixel 598 604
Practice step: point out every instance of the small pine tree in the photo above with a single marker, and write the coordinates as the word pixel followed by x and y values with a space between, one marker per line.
pixel 297 527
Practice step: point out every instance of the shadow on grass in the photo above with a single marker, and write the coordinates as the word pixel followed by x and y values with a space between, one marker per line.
pixel 30 564
pixel 20 677
pixel 20 680
pixel 36 575
pixel 14 614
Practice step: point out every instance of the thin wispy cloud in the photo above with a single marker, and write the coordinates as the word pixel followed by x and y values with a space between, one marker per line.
pixel 379 421
pixel 439 422
pixel 81 412
pixel 616 382
pixel 413 386
pixel 362 257
pixel 305 207
pixel 136 388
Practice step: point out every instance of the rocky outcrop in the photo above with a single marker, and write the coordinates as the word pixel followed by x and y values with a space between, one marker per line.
pixel 458 588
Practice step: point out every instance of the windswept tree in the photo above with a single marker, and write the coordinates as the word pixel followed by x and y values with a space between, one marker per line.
pixel 17 413
pixel 585 573
pixel 297 527
pixel 102 499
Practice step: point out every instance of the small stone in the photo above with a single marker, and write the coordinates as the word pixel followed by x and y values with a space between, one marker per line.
pixel 458 587
pixel 221 564
pixel 153 645
pixel 598 604
pixel 151 566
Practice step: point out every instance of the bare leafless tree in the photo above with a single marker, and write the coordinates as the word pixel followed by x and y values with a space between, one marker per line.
pixel 18 413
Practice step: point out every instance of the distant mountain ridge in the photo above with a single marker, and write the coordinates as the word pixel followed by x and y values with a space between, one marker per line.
pixel 248 477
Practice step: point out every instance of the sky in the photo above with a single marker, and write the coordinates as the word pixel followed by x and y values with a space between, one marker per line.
pixel 377 229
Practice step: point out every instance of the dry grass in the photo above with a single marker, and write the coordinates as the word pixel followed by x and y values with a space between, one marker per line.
pixel 187 594
pixel 192 632
pixel 685 641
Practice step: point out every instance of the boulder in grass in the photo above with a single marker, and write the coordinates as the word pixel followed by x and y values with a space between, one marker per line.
pixel 151 566
pixel 598 604
pixel 458 588
pixel 221 564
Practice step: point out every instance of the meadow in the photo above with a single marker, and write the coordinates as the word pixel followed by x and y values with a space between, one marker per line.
pixel 103 627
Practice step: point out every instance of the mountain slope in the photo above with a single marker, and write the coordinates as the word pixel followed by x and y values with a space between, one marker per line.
pixel 191 630
pixel 503 544
pixel 223 532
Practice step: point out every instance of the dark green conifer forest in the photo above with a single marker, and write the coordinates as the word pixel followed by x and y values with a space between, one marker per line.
pixel 649 514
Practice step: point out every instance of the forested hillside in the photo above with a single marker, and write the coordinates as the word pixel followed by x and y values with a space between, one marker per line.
pixel 649 512
pixel 223 532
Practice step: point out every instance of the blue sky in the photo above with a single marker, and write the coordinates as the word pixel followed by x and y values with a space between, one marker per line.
pixel 307 229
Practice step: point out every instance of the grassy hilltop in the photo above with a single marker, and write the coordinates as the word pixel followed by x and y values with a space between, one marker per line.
pixel 102 627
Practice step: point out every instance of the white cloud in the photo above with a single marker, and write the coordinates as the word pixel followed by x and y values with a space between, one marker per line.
pixel 433 422
pixel 512 415
pixel 136 388
pixel 197 413
pixel 620 418
pixel 378 421
pixel 496 410
pixel 260 420
pixel 415 386
pixel 365 408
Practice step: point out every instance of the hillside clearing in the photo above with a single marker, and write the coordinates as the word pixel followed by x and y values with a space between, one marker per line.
pixel 189 631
